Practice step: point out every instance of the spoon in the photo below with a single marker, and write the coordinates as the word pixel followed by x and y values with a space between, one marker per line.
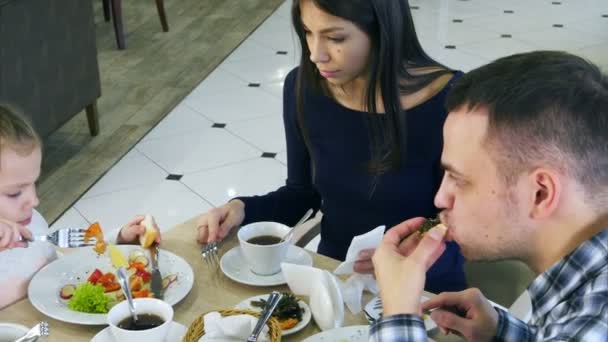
pixel 302 220
pixel 123 279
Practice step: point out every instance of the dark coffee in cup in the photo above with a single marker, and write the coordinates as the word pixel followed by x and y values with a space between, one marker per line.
pixel 144 322
pixel 264 240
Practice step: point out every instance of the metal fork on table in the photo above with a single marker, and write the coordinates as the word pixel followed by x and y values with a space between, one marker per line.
pixel 40 329
pixel 210 253
pixel 66 238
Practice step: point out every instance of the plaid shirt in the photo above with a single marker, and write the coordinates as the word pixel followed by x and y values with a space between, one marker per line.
pixel 569 303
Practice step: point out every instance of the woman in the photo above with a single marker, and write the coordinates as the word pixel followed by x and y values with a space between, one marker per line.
pixel 363 117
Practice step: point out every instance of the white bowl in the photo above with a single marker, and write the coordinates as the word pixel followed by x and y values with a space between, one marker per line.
pixel 9 332
pixel 142 306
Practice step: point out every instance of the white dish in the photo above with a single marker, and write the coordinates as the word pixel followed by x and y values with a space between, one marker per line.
pixel 355 333
pixel 74 268
pixel 326 303
pixel 306 315
pixel 374 309
pixel 11 331
pixel 176 333
pixel 235 268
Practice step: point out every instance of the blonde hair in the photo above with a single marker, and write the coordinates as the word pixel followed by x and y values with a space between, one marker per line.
pixel 16 132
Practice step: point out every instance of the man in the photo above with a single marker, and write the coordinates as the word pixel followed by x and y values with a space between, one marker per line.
pixel 526 177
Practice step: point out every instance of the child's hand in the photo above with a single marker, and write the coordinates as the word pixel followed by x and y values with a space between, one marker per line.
pixel 11 234
pixel 131 231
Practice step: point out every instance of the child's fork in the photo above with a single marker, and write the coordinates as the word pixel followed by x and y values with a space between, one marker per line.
pixel 66 238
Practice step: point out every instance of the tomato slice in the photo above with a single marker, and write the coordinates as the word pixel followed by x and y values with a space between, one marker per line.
pixel 94 277
pixel 145 276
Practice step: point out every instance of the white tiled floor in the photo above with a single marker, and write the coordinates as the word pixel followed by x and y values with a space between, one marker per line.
pixel 220 162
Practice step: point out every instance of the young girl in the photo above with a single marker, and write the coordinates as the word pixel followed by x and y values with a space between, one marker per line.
pixel 363 116
pixel 20 158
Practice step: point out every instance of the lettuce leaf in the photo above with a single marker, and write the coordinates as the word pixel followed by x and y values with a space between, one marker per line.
pixel 89 298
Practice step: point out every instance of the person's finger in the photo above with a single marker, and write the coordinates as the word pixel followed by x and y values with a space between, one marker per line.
pixel 364 266
pixel 213 225
pixel 452 322
pixel 446 299
pixel 407 246
pixel 24 232
pixel 366 254
pixel 136 220
pixel 430 247
pixel 227 225
pixel 7 238
pixel 396 234
pixel 202 233
pixel 19 244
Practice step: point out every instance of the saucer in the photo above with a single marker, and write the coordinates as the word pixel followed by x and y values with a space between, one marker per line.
pixel 234 267
pixel 11 331
pixel 306 315
pixel 176 333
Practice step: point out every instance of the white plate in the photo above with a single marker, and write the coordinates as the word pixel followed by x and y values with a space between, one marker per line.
pixel 306 315
pixel 11 331
pixel 176 333
pixel 74 268
pixel 355 333
pixel 234 267
pixel 376 312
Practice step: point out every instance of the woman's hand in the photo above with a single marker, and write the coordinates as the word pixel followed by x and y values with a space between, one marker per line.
pixel 12 235
pixel 216 223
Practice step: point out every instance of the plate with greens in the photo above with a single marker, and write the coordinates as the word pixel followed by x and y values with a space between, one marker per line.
pixel 292 313
pixel 47 289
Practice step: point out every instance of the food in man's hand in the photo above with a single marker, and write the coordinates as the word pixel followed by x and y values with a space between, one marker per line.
pixel 288 312
pixel 428 225
pixel 148 238
pixel 94 231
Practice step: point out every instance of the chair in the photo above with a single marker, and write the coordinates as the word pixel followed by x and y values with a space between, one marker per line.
pixel 307 235
pixel 115 8
pixel 48 61
pixel 503 282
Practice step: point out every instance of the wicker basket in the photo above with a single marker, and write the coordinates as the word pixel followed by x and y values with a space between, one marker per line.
pixel 197 328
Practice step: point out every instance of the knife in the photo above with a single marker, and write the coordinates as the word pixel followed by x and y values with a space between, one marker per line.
pixel 156 283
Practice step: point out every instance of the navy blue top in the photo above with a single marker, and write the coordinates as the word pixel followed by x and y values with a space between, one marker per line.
pixel 342 185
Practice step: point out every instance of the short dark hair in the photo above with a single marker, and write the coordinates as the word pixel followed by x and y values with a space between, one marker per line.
pixel 544 107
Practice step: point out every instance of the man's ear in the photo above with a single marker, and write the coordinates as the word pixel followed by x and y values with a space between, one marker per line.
pixel 546 189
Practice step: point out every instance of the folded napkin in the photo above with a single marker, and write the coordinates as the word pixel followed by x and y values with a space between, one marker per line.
pixel 230 328
pixel 325 298
pixel 352 289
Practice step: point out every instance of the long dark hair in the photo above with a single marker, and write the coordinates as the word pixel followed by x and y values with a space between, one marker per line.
pixel 395 50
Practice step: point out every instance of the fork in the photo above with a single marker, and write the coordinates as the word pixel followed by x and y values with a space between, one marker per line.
pixel 210 253
pixel 65 238
pixel 40 329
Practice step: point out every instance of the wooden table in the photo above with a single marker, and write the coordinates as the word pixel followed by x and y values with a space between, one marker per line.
pixel 211 291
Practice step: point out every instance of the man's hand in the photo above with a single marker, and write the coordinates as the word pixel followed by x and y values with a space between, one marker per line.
pixel 401 262
pixel 479 319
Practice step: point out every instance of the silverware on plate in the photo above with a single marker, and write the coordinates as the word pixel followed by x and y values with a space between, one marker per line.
pixel 156 281
pixel 271 304
pixel 40 329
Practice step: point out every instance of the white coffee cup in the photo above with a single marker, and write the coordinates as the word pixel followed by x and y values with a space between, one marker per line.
pixel 142 306
pixel 264 259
